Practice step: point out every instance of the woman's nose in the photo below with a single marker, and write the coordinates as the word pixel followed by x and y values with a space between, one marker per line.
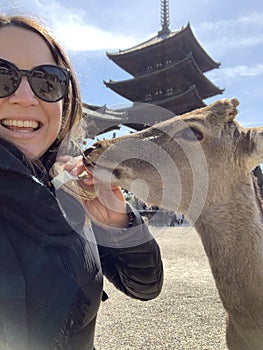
pixel 24 94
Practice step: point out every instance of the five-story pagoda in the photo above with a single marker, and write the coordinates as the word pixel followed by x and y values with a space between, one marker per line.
pixel 167 70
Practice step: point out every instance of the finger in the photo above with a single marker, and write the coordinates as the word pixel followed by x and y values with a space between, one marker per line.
pixel 64 159
pixel 88 180
pixel 69 162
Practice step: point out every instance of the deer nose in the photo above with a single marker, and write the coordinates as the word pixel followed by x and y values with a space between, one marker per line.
pixel 87 161
pixel 92 148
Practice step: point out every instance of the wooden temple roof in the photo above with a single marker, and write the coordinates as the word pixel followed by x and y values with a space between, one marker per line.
pixel 183 103
pixel 158 50
pixel 174 79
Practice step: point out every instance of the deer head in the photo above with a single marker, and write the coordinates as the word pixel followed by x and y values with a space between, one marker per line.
pixel 184 163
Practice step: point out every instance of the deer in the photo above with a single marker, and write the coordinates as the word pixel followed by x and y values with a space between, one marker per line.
pixel 200 164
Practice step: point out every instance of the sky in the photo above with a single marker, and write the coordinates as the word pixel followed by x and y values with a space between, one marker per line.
pixel 230 31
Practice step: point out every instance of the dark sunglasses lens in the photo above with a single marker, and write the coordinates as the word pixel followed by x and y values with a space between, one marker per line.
pixel 49 83
pixel 8 79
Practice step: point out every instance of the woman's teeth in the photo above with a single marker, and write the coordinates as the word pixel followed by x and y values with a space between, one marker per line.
pixel 29 124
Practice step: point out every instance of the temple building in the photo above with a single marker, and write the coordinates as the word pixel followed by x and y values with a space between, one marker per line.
pixel 101 119
pixel 167 70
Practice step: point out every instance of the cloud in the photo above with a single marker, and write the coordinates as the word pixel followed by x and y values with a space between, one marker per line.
pixel 218 37
pixel 242 32
pixel 71 29
pixel 25 7
pixel 76 35
pixel 233 73
pixel 69 25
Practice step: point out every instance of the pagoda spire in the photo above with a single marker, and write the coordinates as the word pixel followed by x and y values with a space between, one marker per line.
pixel 165 21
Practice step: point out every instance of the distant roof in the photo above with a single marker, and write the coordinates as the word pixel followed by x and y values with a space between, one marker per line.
pixel 173 44
pixel 100 119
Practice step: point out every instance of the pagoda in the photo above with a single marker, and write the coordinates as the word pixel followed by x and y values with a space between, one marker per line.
pixel 167 70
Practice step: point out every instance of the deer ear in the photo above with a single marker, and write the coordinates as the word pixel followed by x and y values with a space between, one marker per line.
pixel 223 110
pixel 255 146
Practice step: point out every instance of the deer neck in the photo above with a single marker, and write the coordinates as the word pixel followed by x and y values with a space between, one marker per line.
pixel 232 235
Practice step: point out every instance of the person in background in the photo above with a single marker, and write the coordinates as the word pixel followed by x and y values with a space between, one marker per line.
pixel 51 273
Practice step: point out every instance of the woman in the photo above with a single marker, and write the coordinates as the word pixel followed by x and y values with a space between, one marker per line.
pixel 50 273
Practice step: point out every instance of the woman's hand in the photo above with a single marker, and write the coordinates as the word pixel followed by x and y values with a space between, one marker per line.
pixel 109 207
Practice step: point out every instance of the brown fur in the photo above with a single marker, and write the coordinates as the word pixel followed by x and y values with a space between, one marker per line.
pixel 210 182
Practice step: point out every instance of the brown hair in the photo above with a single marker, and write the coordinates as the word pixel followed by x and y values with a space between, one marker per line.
pixel 72 106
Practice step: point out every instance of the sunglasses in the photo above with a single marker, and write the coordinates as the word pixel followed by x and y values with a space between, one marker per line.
pixel 48 82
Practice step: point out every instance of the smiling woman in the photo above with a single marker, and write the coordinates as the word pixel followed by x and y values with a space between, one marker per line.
pixel 51 266
pixel 21 105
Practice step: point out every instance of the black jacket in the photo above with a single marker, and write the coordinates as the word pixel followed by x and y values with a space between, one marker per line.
pixel 51 269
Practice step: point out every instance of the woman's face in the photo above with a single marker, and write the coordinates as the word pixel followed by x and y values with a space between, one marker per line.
pixel 25 120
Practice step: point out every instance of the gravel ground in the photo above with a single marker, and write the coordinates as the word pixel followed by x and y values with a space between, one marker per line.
pixel 187 315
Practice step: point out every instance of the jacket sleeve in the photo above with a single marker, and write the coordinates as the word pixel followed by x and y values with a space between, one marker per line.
pixel 131 259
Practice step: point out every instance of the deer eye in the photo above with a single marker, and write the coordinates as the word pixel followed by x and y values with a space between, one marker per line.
pixel 191 134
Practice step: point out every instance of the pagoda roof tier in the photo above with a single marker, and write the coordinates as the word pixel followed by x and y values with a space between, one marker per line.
pixel 161 50
pixel 174 79
pixel 183 103
pixel 142 115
